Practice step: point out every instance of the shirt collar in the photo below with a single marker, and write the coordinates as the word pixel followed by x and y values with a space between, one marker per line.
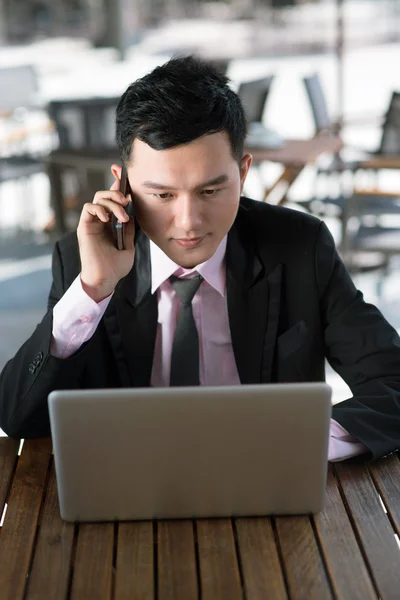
pixel 212 270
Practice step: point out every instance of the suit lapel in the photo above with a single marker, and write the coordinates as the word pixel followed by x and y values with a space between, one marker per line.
pixel 131 321
pixel 253 295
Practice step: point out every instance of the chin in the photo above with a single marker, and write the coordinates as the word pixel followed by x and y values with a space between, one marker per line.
pixel 190 259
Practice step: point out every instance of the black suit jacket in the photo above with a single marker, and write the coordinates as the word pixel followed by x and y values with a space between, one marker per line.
pixel 291 303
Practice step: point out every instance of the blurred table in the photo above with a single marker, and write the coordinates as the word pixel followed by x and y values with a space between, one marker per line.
pixel 294 155
pixel 348 551
pixel 96 165
pixel 378 162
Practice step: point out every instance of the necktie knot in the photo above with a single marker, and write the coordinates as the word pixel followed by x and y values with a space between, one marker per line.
pixel 185 289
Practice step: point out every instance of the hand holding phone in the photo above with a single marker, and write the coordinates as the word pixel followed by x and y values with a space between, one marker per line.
pixel 118 227
pixel 103 225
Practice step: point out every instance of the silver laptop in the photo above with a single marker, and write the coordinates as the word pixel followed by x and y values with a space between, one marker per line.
pixel 147 453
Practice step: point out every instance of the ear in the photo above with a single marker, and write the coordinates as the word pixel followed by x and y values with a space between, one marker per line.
pixel 244 169
pixel 116 171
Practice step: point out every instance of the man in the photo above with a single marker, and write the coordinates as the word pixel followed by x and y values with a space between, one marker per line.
pixel 269 298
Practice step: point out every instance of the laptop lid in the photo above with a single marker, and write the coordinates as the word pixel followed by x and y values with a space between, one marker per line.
pixel 127 454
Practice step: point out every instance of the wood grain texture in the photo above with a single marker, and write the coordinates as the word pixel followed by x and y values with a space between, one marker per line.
pixel 381 162
pixel 259 559
pixel 305 572
pixel 219 569
pixel 18 532
pixel 343 556
pixel 386 475
pixel 373 527
pixel 93 568
pixel 52 556
pixel 8 459
pixel 135 565
pixel 177 576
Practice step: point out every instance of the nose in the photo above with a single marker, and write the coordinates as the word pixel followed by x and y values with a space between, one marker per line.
pixel 188 214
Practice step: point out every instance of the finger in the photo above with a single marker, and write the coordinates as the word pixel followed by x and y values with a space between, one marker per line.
pixel 114 208
pixel 109 195
pixel 92 212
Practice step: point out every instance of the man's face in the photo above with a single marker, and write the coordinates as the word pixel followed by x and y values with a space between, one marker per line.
pixel 187 197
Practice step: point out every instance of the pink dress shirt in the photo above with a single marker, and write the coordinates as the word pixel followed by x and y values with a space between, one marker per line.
pixel 76 317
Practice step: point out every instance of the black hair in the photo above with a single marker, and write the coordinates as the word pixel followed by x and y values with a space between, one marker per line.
pixel 176 103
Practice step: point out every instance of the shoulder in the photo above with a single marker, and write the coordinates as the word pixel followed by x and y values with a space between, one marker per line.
pixel 67 250
pixel 268 224
pixel 262 215
pixel 69 242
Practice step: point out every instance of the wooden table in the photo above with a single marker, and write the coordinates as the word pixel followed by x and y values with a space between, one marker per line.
pixel 346 552
pixel 294 156
pixel 380 161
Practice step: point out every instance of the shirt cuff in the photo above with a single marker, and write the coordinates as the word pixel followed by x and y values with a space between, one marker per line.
pixel 75 319
pixel 342 444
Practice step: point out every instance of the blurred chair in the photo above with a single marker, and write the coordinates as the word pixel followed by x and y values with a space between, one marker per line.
pixel 370 236
pixel 323 124
pixel 84 124
pixel 382 158
pixel 375 202
pixel 367 244
pixel 319 107
pixel 390 141
pixel 387 156
pixel 254 96
pixel 86 130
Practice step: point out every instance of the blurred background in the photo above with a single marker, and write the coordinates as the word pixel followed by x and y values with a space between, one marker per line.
pixel 320 82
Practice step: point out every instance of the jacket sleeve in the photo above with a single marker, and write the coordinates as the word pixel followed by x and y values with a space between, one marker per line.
pixel 364 350
pixel 33 373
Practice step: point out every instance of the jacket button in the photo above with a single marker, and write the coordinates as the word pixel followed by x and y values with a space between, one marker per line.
pixel 32 368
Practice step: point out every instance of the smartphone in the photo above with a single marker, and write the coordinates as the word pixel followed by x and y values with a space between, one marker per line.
pixel 118 227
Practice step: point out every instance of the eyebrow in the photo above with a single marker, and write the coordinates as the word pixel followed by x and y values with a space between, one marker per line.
pixel 160 186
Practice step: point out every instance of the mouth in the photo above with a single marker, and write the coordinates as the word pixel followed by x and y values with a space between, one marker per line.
pixel 189 242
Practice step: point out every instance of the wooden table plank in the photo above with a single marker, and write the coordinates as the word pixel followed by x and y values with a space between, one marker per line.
pixel 262 573
pixel 52 558
pixel 305 572
pixel 93 565
pixel 343 557
pixel 381 162
pixel 134 576
pixel 18 532
pixel 219 569
pixel 386 475
pixel 298 152
pixel 8 460
pixel 176 570
pixel 373 527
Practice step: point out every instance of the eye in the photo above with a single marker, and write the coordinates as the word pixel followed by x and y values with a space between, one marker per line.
pixel 163 196
pixel 210 192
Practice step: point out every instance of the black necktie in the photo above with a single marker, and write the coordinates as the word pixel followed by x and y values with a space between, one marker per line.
pixel 185 348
